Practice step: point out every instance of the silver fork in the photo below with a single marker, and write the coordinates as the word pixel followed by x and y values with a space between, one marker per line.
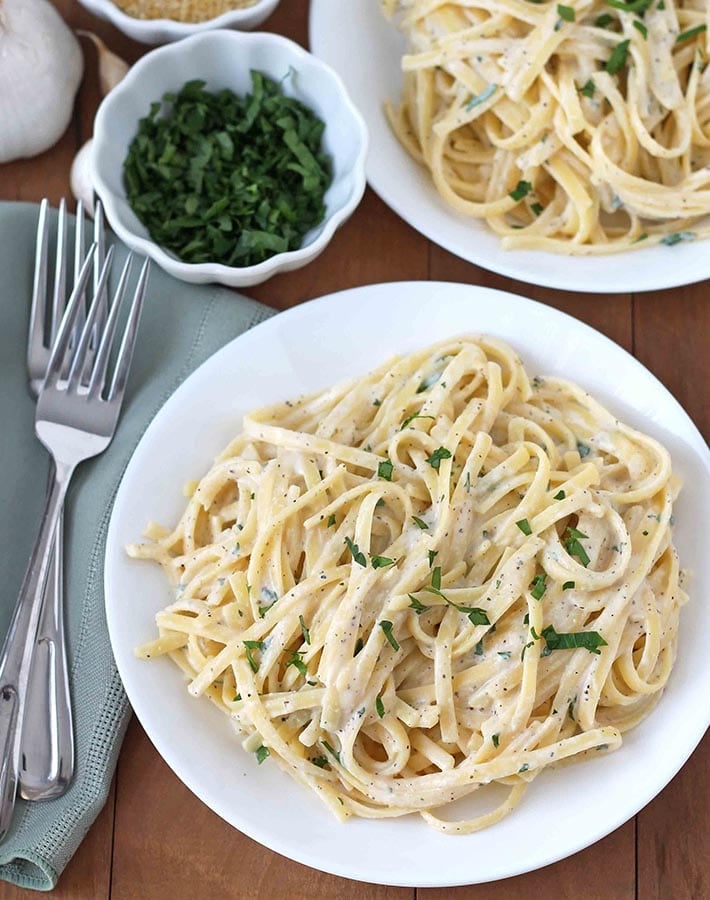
pixel 74 423
pixel 47 756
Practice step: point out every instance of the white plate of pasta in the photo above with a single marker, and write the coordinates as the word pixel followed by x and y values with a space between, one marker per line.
pixel 537 140
pixel 426 570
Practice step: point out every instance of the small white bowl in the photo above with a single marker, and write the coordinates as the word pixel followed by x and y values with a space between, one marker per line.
pixel 223 59
pixel 162 31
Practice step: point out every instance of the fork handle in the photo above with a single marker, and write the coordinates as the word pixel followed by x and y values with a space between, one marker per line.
pixel 47 745
pixel 17 651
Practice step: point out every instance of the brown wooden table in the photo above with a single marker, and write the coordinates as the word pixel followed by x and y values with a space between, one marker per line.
pixel 154 840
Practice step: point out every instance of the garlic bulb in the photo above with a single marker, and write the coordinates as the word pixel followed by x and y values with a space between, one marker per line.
pixel 40 70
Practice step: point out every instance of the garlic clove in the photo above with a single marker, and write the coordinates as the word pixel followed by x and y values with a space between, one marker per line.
pixel 112 68
pixel 80 178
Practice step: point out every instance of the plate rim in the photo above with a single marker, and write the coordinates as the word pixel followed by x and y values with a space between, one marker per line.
pixel 699 448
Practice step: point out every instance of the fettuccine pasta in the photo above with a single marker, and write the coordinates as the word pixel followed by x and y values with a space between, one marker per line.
pixel 581 127
pixel 437 576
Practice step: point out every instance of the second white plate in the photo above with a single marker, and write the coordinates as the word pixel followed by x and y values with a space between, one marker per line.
pixel 356 40
pixel 306 349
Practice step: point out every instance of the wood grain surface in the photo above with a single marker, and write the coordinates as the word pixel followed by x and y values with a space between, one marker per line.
pixel 154 839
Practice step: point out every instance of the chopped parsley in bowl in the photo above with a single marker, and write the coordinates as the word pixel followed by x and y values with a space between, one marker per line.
pixel 257 154
pixel 222 178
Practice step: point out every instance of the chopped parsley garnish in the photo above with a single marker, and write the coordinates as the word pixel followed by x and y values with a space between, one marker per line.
pixel 617 60
pixel 640 27
pixel 583 449
pixel 524 526
pixel 262 753
pixel 271 598
pixel 537 586
pixel 387 628
pixel 573 546
pixel 377 403
pixel 411 418
pixel 496 739
pixel 253 645
pixel 604 21
pixel 381 562
pixel 523 768
pixel 358 647
pixel 420 523
pixel 384 469
pixel 476 615
pixel 522 189
pixel 537 208
pixel 588 640
pixel 587 90
pixel 478 649
pixel 217 177
pixel 304 631
pixel 690 33
pixel 560 495
pixel 330 750
pixel 357 555
pixel 482 97
pixel 428 382
pixel 566 12
pixel 331 520
pixel 436 578
pixel 670 240
pixel 568 585
pixel 641 237
pixel 296 659
pixel 418 607
pixel 432 554
pixel 237 698
pixel 435 459
pixel 505 654
pixel 320 761
pixel 380 707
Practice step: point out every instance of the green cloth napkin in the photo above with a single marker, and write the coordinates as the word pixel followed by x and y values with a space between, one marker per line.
pixel 181 326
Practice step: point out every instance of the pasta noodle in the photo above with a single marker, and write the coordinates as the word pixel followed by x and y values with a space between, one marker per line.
pixel 580 127
pixel 437 576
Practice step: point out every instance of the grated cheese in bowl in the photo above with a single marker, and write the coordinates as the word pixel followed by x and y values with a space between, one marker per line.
pixel 181 10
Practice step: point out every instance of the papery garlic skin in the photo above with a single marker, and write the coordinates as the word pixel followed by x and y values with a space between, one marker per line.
pixel 41 65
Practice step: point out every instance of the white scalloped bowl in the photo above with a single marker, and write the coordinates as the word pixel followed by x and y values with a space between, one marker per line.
pixel 162 31
pixel 223 59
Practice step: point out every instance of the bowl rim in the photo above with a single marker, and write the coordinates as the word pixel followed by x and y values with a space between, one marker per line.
pixel 122 20
pixel 214 270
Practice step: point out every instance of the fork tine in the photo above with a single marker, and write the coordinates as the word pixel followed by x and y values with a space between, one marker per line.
pixel 100 241
pixel 128 343
pixel 38 310
pixel 80 353
pixel 60 345
pixel 79 242
pixel 60 273
pixel 79 236
pixel 98 376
